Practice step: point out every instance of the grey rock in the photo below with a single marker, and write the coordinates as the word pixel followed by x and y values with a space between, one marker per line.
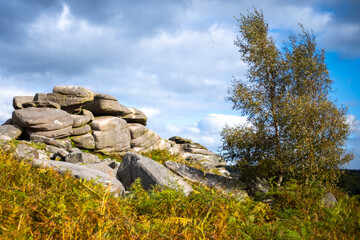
pixel 75 150
pixel 41 104
pixel 88 114
pixel 206 178
pixel 47 140
pixel 80 120
pixel 329 200
pixel 18 101
pixel 102 107
pixel 180 140
pixel 81 130
pixel 52 149
pixel 23 151
pixel 113 140
pixel 83 172
pixel 108 123
pixel 59 133
pixel 136 116
pixel 136 129
pixel 74 91
pixel 66 142
pixel 71 103
pixel 81 158
pixel 146 140
pixel 151 173
pixel 9 121
pixel 42 119
pixel 9 132
pixel 104 96
pixel 104 166
pixel 85 141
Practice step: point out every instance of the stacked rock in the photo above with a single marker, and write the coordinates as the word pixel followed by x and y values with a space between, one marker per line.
pixel 94 121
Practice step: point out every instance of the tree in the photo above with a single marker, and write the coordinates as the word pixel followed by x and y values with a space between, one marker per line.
pixel 295 130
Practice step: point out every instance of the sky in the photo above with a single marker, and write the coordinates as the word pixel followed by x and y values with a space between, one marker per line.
pixel 174 60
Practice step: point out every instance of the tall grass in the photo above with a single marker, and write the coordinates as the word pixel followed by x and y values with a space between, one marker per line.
pixel 39 203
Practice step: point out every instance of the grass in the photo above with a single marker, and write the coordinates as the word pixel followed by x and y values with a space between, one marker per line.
pixel 43 204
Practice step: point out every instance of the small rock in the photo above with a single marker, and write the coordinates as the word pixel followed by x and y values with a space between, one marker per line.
pixel 18 101
pixel 80 120
pixel 81 130
pixel 85 141
pixel 136 116
pixel 47 140
pixel 81 158
pixel 9 132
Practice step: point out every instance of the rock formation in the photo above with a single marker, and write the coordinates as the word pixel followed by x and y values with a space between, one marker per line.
pixel 73 116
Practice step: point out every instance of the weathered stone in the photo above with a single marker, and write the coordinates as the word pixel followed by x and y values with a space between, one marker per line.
pixel 74 91
pixel 104 166
pixel 116 138
pixel 47 140
pixel 41 104
pixel 136 116
pixel 59 133
pixel 83 172
pixel 88 113
pixel 146 140
pixel 180 140
pixel 81 130
pixel 82 157
pixel 23 151
pixel 75 150
pixel 66 142
pixel 80 120
pixel 108 123
pixel 9 121
pixel 18 101
pixel 104 96
pixel 70 103
pixel 9 132
pixel 42 119
pixel 85 141
pixel 209 179
pixel 151 173
pixel 102 107
pixel 329 200
pixel 136 129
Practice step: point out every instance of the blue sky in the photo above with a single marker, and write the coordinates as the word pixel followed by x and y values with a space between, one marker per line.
pixel 172 59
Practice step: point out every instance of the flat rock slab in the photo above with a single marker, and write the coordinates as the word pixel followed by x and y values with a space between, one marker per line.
pixel 80 120
pixel 47 140
pixel 103 107
pixel 42 119
pixel 136 129
pixel 82 157
pixel 108 167
pixel 18 101
pixel 136 116
pixel 81 130
pixel 74 91
pixel 206 178
pixel 82 172
pixel 151 173
pixel 9 132
pixel 59 133
pixel 85 141
pixel 41 104
pixel 107 123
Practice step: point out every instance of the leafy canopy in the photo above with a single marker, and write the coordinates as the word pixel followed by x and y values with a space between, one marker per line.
pixel 296 130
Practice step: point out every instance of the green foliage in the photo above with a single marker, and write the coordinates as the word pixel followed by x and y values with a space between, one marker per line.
pixel 295 130
pixel 39 203
pixel 350 182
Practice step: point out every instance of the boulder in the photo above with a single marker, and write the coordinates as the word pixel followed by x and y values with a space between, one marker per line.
pixel 136 129
pixel 135 116
pixel 108 167
pixel 80 120
pixel 87 113
pixel 18 101
pixel 84 173
pixel 47 140
pixel 111 134
pixel 82 157
pixel 42 119
pixel 70 98
pixel 180 140
pixel 104 96
pixel 59 133
pixel 103 107
pixel 9 132
pixel 106 123
pixel 81 130
pixel 85 141
pixel 206 178
pixel 74 91
pixel 23 151
pixel 146 140
pixel 41 104
pixel 151 173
